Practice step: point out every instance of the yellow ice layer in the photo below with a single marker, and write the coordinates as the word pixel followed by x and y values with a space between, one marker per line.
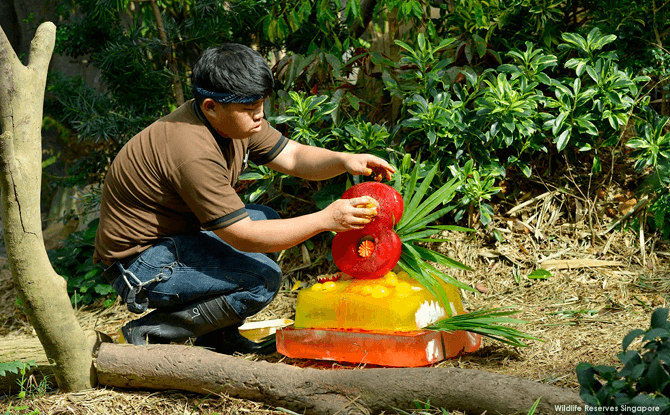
pixel 391 303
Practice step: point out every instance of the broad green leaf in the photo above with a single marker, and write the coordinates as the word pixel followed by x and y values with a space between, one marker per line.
pixel 654 333
pixel 481 20
pixel 543 78
pixel 659 318
pixel 613 97
pixel 558 122
pixel 596 168
pixel 421 40
pixel 282 29
pixel 581 67
pixel 15 367
pixel 575 40
pixel 485 213
pixel 592 73
pixel 270 27
pixel 546 61
pixel 353 11
pixel 563 138
pixel 258 189
pixel 444 43
pixel 103 289
pixel 480 45
pixel 471 77
pixel 628 339
pixel 540 274
pixel 572 63
pixel 507 68
pixel 404 45
pixel 354 101
pixel 91 273
pixel 328 194
pixel 335 63
pixel 603 41
pixel 525 169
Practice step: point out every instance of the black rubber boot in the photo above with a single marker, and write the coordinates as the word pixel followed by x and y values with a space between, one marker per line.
pixel 194 320
pixel 229 340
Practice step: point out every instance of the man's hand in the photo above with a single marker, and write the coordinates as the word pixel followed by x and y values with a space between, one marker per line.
pixel 347 214
pixel 279 234
pixel 367 164
pixel 316 163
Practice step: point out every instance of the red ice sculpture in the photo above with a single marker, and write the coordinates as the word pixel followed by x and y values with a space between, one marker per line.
pixel 387 244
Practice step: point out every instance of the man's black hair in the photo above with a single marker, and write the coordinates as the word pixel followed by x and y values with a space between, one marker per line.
pixel 232 68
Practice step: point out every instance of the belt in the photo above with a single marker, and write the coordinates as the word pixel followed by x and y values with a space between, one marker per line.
pixel 113 272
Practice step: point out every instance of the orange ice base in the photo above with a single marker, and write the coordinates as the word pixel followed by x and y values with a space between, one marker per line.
pixel 393 303
pixel 408 349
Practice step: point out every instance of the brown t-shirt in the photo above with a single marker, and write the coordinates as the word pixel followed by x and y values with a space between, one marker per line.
pixel 175 177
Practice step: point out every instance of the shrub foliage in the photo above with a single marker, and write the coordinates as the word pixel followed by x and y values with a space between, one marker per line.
pixel 642 382
pixel 483 90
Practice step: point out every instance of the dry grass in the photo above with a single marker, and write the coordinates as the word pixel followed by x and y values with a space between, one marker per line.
pixel 606 285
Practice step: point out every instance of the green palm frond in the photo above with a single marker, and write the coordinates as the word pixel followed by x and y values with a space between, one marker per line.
pixel 422 222
pixel 487 323
pixel 420 262
pixel 434 256
pixel 414 196
pixel 455 228
pixel 411 184
pixel 419 271
pixel 420 211
pixel 421 236
pixel 423 213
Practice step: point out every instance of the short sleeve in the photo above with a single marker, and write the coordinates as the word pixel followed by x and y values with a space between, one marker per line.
pixel 205 187
pixel 266 144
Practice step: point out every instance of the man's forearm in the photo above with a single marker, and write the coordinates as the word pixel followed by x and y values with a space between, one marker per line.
pixel 272 235
pixel 318 163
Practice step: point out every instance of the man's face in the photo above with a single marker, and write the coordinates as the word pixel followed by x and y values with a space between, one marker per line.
pixel 237 121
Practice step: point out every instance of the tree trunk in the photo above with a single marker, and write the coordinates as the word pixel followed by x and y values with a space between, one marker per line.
pixel 367 9
pixel 42 291
pixel 172 65
pixel 323 392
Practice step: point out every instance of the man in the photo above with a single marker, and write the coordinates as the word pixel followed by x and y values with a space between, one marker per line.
pixel 173 233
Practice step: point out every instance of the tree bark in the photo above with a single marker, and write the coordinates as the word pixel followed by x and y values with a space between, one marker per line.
pixel 323 392
pixel 176 80
pixel 367 8
pixel 42 291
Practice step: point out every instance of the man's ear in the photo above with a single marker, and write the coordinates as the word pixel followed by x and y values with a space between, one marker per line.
pixel 208 105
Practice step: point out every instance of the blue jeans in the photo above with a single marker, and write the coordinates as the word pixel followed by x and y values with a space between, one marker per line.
pixel 184 269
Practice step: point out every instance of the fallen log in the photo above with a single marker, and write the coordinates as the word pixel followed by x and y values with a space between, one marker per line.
pixel 29 349
pixel 25 349
pixel 316 391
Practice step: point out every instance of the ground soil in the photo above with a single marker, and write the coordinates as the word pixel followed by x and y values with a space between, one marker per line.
pixel 605 281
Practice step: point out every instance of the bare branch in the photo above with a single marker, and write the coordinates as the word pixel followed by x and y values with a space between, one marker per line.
pixel 41 47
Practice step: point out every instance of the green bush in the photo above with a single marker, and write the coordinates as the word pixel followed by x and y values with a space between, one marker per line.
pixel 501 85
pixel 642 379
pixel 651 153
pixel 74 262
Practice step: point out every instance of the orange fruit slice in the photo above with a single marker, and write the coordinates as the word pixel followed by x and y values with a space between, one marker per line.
pixel 366 248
